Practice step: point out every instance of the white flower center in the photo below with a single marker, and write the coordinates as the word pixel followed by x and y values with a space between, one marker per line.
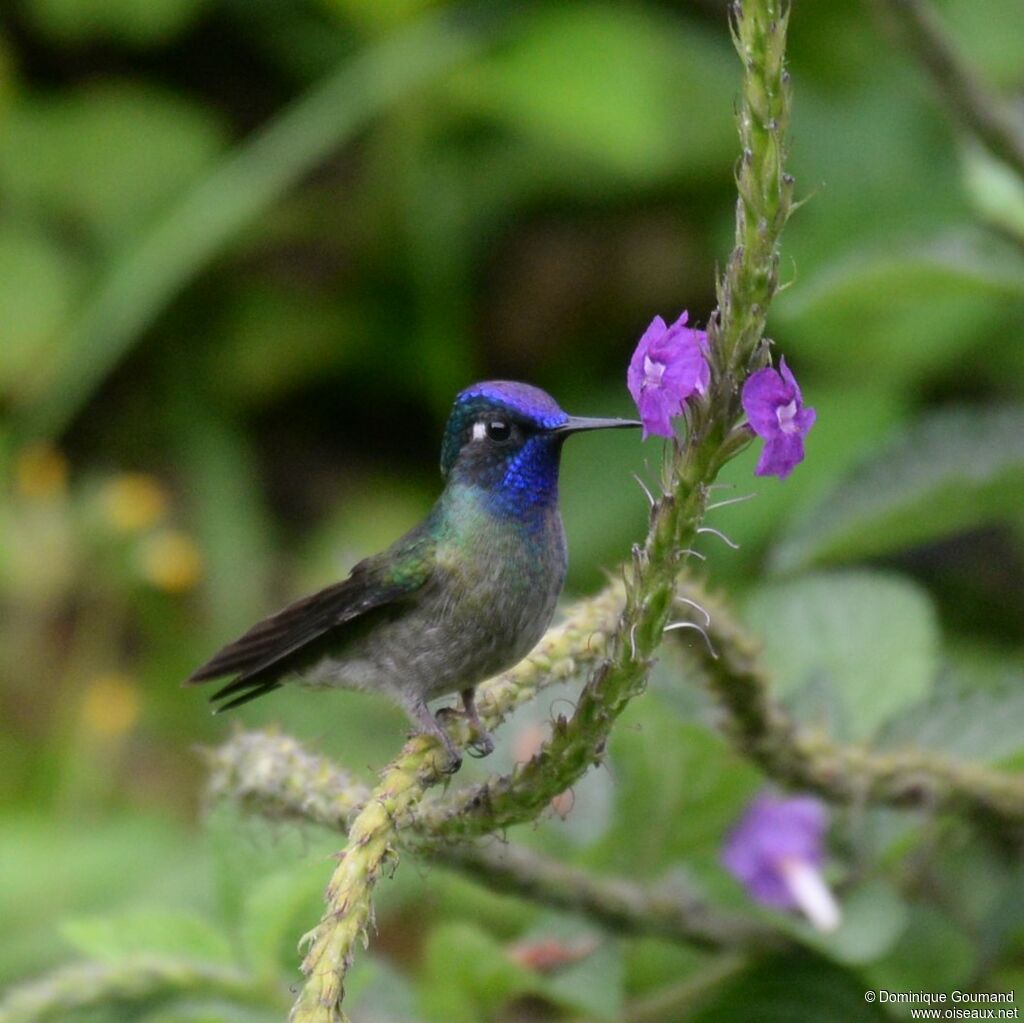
pixel 653 372
pixel 786 415
pixel 810 893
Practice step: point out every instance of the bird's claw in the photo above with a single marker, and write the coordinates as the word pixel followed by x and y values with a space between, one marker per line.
pixel 482 746
pixel 450 762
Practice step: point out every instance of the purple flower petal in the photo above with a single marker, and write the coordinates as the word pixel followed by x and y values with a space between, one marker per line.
pixel 773 833
pixel 787 376
pixel 657 408
pixel 781 455
pixel 668 366
pixel 635 374
pixel 774 406
pixel 763 393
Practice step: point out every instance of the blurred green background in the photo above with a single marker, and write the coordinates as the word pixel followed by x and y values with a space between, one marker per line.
pixel 248 253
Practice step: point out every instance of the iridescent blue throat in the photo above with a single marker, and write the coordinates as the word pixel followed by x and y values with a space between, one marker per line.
pixel 529 485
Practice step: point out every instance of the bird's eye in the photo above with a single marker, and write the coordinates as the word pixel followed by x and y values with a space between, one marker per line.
pixel 499 430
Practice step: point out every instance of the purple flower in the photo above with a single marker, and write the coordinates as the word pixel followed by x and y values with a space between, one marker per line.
pixel 775 408
pixel 776 852
pixel 668 366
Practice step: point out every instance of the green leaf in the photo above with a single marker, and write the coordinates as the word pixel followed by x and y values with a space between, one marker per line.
pixel 81 21
pixel 7 79
pixel 987 726
pixel 874 918
pixel 377 993
pixel 229 515
pixel 869 639
pixel 990 35
pixel 211 215
pixel 905 312
pixel 995 190
pixel 273 341
pixel 635 95
pixel 133 148
pixel 852 421
pixel 241 849
pixel 980 888
pixel 678 788
pixel 953 469
pixel 57 868
pixel 932 947
pixel 153 931
pixel 276 913
pixel 467 976
pixel 38 284
pixel 856 205
pixel 593 985
pixel 792 989
pixel 651 963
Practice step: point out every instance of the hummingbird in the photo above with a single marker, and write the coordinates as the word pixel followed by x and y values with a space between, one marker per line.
pixel 461 597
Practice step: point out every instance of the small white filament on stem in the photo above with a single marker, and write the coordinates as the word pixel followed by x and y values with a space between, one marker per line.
pixel 645 489
pixel 730 500
pixel 696 628
pixel 721 536
pixel 697 607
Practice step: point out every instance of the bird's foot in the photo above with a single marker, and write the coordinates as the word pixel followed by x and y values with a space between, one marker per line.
pixel 451 761
pixel 482 744
pixel 453 758
pixel 450 757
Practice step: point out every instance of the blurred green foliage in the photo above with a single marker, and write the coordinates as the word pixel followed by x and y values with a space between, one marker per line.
pixel 234 308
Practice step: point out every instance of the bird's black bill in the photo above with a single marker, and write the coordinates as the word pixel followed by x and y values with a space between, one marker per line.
pixel 577 424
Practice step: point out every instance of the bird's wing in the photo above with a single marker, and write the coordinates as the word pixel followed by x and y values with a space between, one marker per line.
pixel 375 582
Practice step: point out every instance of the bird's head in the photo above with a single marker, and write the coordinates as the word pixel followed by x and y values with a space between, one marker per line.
pixel 506 437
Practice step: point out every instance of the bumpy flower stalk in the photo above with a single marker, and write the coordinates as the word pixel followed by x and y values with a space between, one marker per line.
pixel 809 760
pixel 275 776
pixel 349 909
pixel 663 909
pixel 765 191
pixel 373 833
pixel 735 332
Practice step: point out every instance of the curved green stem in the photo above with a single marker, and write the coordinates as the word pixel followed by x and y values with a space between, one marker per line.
pixel 274 776
pixel 810 760
pixel 374 828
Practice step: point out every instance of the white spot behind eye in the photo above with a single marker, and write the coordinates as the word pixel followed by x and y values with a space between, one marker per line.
pixel 479 431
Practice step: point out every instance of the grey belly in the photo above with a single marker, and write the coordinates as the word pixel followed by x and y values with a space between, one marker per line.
pixel 442 644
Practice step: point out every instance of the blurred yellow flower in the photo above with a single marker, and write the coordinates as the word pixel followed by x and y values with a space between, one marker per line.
pixel 170 561
pixel 133 501
pixel 40 470
pixel 110 705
